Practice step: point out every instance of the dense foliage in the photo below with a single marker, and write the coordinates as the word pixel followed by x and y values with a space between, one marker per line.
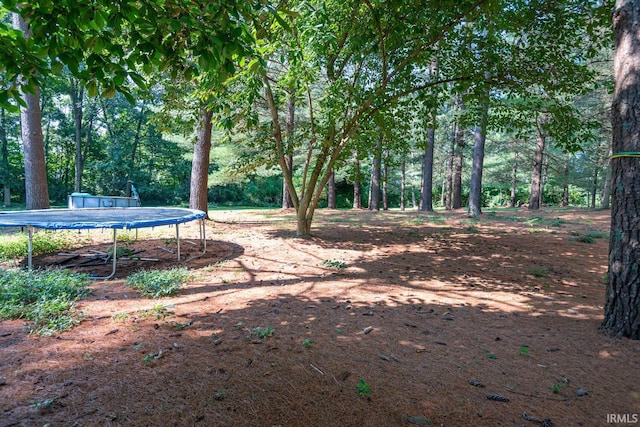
pixel 324 83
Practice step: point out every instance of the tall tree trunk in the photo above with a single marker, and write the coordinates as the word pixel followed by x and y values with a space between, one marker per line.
pixel 200 166
pixel 331 191
pixel 622 306
pixel 449 168
pixel 374 188
pixel 35 168
pixel 426 184
pixel 77 95
pixel 514 180
pixel 480 136
pixel 385 178
pixel 5 175
pixel 565 184
pixel 403 184
pixel 134 150
pixel 536 175
pixel 456 202
pixel 287 202
pixel 543 181
pixel 594 191
pixel 357 188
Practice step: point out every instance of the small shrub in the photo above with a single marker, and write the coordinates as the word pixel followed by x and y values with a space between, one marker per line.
pixel 160 283
pixel 307 343
pixel 586 239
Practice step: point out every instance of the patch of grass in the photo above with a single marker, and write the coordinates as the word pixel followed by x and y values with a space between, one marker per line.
pixel 534 220
pixel 539 272
pixel 263 332
pixel 586 239
pixel 471 230
pixel 120 252
pixel 159 283
pixel 331 263
pixel 363 388
pixel 589 236
pixel 46 241
pixel 160 312
pixel 433 219
pixel 120 317
pixel 557 222
pixel 307 343
pixel 598 234
pixel 45 297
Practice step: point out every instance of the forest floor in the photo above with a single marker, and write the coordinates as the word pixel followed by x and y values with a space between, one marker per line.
pixel 379 319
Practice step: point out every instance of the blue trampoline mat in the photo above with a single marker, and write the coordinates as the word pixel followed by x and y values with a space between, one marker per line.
pixel 117 218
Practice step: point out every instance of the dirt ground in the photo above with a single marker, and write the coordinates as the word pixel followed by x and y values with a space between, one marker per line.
pixel 380 319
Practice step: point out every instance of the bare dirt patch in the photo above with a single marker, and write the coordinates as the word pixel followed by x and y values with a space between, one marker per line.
pixel 379 319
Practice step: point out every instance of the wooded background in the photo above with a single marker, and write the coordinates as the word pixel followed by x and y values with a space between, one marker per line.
pixel 394 78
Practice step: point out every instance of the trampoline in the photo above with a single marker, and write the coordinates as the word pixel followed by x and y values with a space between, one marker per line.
pixel 103 218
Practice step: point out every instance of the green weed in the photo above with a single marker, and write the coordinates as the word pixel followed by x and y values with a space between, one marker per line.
pixel 363 388
pixel 159 283
pixel 160 312
pixel 120 317
pixel 263 332
pixel 586 239
pixel 334 263
pixel 307 343
pixel 539 272
pixel 44 297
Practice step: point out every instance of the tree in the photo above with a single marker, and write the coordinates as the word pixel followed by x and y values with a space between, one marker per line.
pixel 536 175
pixel 622 306
pixel 5 174
pixel 475 191
pixel 426 184
pixel 36 188
pixel 206 41
pixel 200 165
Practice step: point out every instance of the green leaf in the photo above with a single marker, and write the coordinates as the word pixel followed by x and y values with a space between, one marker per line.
pixel 92 88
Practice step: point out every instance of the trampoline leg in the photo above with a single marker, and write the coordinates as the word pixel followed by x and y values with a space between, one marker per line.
pixel 178 240
pixel 115 260
pixel 203 241
pixel 115 257
pixel 30 249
